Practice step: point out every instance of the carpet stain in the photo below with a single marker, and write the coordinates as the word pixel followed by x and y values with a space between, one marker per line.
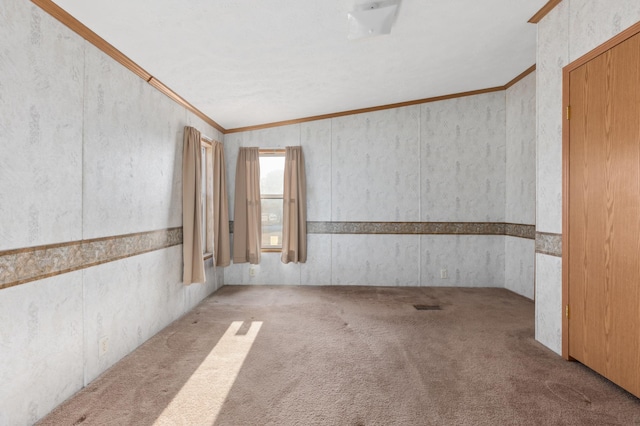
pixel 523 334
pixel 427 307
pixel 179 341
pixel 80 420
pixel 569 394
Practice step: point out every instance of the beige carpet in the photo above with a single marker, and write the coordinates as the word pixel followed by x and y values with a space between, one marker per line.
pixel 350 356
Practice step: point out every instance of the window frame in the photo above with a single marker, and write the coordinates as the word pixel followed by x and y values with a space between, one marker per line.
pixel 206 149
pixel 271 152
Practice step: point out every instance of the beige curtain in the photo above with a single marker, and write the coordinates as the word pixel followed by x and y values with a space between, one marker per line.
pixel 222 253
pixel 247 224
pixel 294 226
pixel 192 208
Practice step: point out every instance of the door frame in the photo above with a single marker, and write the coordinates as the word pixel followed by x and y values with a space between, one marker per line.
pixel 566 71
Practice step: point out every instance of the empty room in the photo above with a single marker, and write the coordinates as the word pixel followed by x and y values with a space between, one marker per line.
pixel 347 212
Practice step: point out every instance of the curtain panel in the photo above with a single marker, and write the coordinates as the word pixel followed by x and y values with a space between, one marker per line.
pixel 221 250
pixel 294 226
pixel 192 208
pixel 247 219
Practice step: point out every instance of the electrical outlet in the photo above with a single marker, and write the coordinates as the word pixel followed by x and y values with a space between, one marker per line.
pixel 444 274
pixel 103 346
pixel 252 271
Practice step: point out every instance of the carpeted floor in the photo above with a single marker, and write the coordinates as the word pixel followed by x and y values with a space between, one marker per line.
pixel 350 356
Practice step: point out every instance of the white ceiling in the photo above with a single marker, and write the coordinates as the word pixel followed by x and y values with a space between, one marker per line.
pixel 250 62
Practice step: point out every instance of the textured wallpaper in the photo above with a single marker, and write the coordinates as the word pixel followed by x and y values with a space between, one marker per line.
pixel 594 22
pixel 442 162
pixel 520 199
pixel 375 162
pixel 132 152
pixel 553 54
pixel 41 86
pixel 463 159
pixel 88 150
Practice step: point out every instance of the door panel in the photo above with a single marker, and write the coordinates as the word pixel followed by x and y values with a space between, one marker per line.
pixel 604 214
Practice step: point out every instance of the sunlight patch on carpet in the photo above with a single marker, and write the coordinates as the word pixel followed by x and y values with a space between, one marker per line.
pixel 201 398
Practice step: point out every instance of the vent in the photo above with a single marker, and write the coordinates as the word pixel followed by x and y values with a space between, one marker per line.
pixel 427 307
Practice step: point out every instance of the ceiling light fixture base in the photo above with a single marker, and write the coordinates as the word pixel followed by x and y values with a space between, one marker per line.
pixel 372 19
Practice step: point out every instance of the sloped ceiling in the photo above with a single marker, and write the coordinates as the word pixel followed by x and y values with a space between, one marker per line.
pixel 250 62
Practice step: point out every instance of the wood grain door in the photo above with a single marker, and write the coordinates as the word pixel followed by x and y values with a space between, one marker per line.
pixel 604 214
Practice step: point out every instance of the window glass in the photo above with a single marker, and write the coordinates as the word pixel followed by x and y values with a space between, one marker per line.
pixel 271 174
pixel 207 197
pixel 271 223
pixel 203 197
pixel 271 193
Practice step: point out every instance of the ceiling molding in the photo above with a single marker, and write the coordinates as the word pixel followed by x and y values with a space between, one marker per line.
pixel 364 110
pixel 180 100
pixel 544 11
pixel 519 77
pixel 83 31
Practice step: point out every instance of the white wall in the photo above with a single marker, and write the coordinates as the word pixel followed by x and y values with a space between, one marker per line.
pixel 520 183
pixel 570 30
pixel 441 161
pixel 88 150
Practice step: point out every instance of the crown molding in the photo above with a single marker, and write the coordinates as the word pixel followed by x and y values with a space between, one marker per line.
pixel 544 11
pixel 363 110
pixel 520 76
pixel 383 107
pixel 83 31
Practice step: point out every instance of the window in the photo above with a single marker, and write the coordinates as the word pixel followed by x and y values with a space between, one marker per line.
pixel 271 194
pixel 207 198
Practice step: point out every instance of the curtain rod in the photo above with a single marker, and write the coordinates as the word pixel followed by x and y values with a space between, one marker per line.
pixel 206 140
pixel 272 150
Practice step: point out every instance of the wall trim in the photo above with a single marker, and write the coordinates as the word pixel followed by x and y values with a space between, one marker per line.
pixel 83 31
pixel 24 265
pixel 549 244
pixel 420 228
pixel 20 266
pixel 544 11
pixel 520 231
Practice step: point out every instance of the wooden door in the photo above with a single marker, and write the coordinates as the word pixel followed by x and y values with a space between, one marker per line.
pixel 604 214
